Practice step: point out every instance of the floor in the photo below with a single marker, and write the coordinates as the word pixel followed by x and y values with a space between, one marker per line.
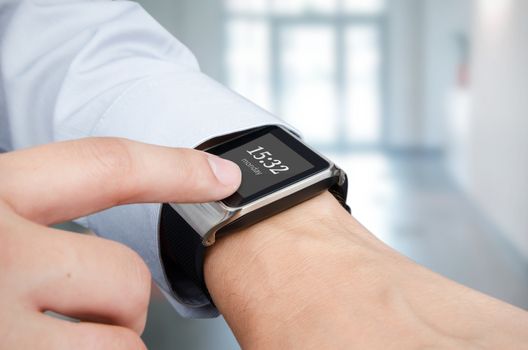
pixel 409 202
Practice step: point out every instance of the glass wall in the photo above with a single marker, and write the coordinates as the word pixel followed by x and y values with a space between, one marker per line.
pixel 316 63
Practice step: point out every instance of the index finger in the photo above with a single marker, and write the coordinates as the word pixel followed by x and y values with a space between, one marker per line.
pixel 66 180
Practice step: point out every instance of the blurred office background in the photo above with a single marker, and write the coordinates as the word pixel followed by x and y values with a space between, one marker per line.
pixel 423 102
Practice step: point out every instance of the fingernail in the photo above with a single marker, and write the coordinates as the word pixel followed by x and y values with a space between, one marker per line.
pixel 227 172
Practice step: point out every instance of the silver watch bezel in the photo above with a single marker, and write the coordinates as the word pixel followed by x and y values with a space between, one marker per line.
pixel 216 215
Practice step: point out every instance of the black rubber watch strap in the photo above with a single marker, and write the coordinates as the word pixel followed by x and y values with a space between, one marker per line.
pixel 182 251
pixel 340 192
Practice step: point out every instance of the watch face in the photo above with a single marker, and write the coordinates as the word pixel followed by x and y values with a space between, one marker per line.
pixel 270 159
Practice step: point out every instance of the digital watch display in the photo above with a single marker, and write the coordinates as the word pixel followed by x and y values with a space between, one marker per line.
pixel 278 172
pixel 270 159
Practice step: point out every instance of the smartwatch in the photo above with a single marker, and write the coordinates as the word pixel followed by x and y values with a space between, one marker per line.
pixel 278 172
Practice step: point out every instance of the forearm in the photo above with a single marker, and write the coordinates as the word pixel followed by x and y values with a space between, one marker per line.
pixel 314 266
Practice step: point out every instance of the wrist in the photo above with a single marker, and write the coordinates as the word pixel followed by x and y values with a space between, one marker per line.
pixel 259 274
pixel 287 281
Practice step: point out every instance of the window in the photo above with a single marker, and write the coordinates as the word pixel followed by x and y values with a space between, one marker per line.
pixel 315 63
pixel 307 74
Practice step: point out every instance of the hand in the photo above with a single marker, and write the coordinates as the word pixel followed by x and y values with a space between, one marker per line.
pixel 102 283
pixel 312 277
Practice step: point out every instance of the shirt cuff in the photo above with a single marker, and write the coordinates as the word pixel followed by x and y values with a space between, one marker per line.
pixel 181 109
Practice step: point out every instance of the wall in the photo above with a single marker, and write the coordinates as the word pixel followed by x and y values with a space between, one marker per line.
pixel 422 53
pixel 497 159
pixel 404 76
pixel 443 23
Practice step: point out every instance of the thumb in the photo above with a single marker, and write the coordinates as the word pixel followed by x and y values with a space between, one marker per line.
pixel 66 180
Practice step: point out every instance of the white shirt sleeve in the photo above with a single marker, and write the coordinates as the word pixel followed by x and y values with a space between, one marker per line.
pixel 77 68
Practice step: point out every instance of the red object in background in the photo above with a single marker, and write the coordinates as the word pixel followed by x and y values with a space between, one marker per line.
pixel 463 75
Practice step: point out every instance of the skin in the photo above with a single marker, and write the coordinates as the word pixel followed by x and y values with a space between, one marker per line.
pixel 45 269
pixel 309 278
pixel 313 277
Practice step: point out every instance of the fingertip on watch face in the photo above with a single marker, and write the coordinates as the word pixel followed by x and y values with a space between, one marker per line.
pixel 226 172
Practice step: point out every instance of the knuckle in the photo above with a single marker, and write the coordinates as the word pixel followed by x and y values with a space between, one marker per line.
pixel 131 277
pixel 195 170
pixel 112 158
pixel 7 256
pixel 4 227
pixel 10 240
pixel 112 153
pixel 138 281
pixel 131 340
pixel 125 338
pixel 6 214
pixel 111 338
